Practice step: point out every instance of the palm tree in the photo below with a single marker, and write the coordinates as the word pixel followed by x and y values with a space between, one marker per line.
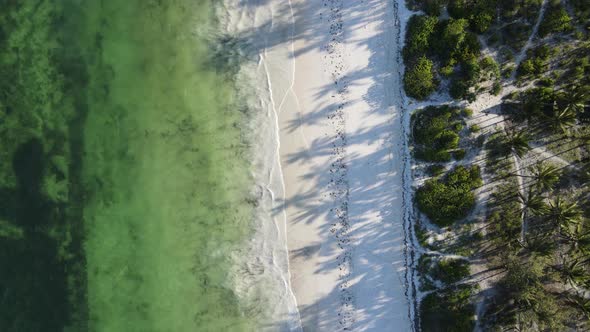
pixel 560 118
pixel 574 99
pixel 564 214
pixel 541 244
pixel 532 203
pixel 573 272
pixel 581 303
pixel 560 109
pixel 518 143
pixel 584 174
pixel 579 240
pixel 546 176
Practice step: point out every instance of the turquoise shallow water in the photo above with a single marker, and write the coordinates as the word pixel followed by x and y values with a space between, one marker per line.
pixel 125 147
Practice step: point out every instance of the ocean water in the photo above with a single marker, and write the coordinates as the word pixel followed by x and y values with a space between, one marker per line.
pixel 151 215
pixel 166 169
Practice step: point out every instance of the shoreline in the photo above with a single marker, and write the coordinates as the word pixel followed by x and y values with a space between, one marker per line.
pixel 260 36
pixel 330 163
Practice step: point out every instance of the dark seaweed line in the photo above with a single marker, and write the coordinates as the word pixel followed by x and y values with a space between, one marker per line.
pixel 407 199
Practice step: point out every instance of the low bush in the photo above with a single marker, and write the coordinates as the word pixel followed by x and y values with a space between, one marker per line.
pixel 451 198
pixel 450 271
pixel 464 79
pixel 420 30
pixel 546 82
pixel 536 62
pixel 516 34
pixel 435 170
pixel 555 20
pixel 523 299
pixel 449 310
pixel 505 216
pixel 435 132
pixel 459 154
pixel 496 88
pixel 419 81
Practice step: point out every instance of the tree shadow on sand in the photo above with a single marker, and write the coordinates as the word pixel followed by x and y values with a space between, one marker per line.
pixel 377 235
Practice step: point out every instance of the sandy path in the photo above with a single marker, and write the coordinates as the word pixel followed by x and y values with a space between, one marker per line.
pixel 340 150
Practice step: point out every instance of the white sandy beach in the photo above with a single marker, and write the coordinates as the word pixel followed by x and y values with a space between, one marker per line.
pixel 327 79
pixel 341 155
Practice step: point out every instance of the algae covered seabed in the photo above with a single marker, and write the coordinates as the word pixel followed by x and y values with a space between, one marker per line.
pixel 123 170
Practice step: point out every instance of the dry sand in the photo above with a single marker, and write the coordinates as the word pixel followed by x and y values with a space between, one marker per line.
pixel 342 157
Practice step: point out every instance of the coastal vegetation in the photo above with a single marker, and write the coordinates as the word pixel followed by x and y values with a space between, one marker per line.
pixel 435 132
pixel 522 228
pixel 450 198
pixel 448 310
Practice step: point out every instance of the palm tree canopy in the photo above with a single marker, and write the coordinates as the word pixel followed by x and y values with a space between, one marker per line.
pixel 561 116
pixel 546 176
pixel 564 213
pixel 574 272
pixel 518 143
pixel 533 202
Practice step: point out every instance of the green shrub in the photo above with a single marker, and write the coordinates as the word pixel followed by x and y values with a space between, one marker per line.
pixel 447 70
pixel 457 127
pixel 464 79
pixel 481 22
pixel 536 62
pixel 420 30
pixel 526 68
pixel 458 8
pixel 507 71
pixel 450 38
pixel 448 310
pixel 522 296
pixel 555 20
pixel 435 132
pixel 474 128
pixel 430 154
pixel 449 199
pixel 459 154
pixel 433 7
pixel 480 14
pixel 490 66
pixel 451 270
pixel 419 80
pixel 546 82
pixel 496 88
pixel 435 170
pixel 467 112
